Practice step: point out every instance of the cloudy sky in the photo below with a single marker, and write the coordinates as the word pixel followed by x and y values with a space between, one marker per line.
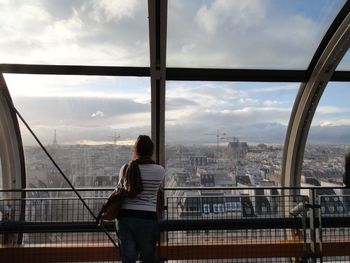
pixel 212 34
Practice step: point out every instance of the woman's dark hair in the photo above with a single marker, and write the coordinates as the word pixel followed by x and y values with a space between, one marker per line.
pixel 142 154
pixel 143 147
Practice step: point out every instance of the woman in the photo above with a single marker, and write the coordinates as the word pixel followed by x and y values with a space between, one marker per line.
pixel 137 224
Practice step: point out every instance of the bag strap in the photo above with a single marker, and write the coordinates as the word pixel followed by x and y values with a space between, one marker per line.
pixel 122 181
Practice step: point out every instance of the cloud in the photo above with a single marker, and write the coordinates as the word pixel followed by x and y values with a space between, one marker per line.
pixel 329 134
pixel 334 123
pixel 204 92
pixel 206 19
pixel 248 101
pixel 107 10
pixel 75 32
pixel 244 34
pixel 80 111
pixel 329 110
pixel 270 102
pixel 179 103
pixel 97 114
pixel 78 86
pixel 286 87
pixel 229 13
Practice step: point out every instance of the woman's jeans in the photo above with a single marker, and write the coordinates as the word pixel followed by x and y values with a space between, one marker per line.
pixel 137 238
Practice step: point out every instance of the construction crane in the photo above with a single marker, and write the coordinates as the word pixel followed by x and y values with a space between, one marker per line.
pixel 218 136
pixel 230 138
pixel 115 137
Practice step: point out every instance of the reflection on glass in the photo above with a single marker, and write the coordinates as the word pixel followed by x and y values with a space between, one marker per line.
pixel 75 32
pixel 329 138
pixel 247 34
pixel 86 123
pixel 226 134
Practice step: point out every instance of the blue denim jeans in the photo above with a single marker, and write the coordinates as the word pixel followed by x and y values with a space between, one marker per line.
pixel 137 238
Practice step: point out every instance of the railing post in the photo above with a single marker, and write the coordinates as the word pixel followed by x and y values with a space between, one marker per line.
pixel 313 226
pixel 320 228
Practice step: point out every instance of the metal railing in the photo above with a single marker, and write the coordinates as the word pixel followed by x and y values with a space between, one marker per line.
pixel 199 224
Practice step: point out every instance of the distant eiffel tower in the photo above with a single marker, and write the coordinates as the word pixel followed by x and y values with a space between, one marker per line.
pixel 55 138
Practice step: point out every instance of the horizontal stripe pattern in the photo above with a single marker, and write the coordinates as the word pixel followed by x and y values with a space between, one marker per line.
pixel 153 179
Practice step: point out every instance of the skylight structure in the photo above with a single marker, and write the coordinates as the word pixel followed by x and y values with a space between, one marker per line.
pixel 101 71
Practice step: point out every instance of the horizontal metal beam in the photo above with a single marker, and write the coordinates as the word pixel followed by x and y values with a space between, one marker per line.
pixel 166 225
pixel 341 76
pixel 201 74
pixel 74 70
pixel 232 224
pixel 172 74
pixel 176 225
pixel 53 227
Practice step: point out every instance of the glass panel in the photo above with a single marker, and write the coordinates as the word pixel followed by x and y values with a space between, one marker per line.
pixel 270 34
pixel 226 134
pixel 75 32
pixel 329 138
pixel 86 123
pixel 345 62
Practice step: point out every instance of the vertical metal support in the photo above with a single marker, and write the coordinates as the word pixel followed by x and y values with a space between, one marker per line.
pixel 167 219
pixel 314 227
pixel 157 16
pixel 12 156
pixel 11 150
pixel 303 222
pixel 319 217
pixel 157 10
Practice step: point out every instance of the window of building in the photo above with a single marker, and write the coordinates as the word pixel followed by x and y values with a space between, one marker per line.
pixel 221 208
pixel 229 206
pixel 232 206
pixel 216 208
pixel 238 206
pixel 87 124
pixel 206 208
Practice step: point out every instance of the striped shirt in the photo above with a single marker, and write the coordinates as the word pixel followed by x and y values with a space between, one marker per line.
pixel 152 176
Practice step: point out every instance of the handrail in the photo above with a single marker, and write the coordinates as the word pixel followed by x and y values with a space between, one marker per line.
pixel 178 188
pixel 257 223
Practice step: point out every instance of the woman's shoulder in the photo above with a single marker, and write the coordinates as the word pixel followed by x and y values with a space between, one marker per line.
pixel 156 167
pixel 159 167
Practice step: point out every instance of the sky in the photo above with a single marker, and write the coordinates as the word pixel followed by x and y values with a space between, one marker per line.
pixel 270 34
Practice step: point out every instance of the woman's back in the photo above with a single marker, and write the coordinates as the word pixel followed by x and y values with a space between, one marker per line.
pixel 137 225
pixel 152 176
